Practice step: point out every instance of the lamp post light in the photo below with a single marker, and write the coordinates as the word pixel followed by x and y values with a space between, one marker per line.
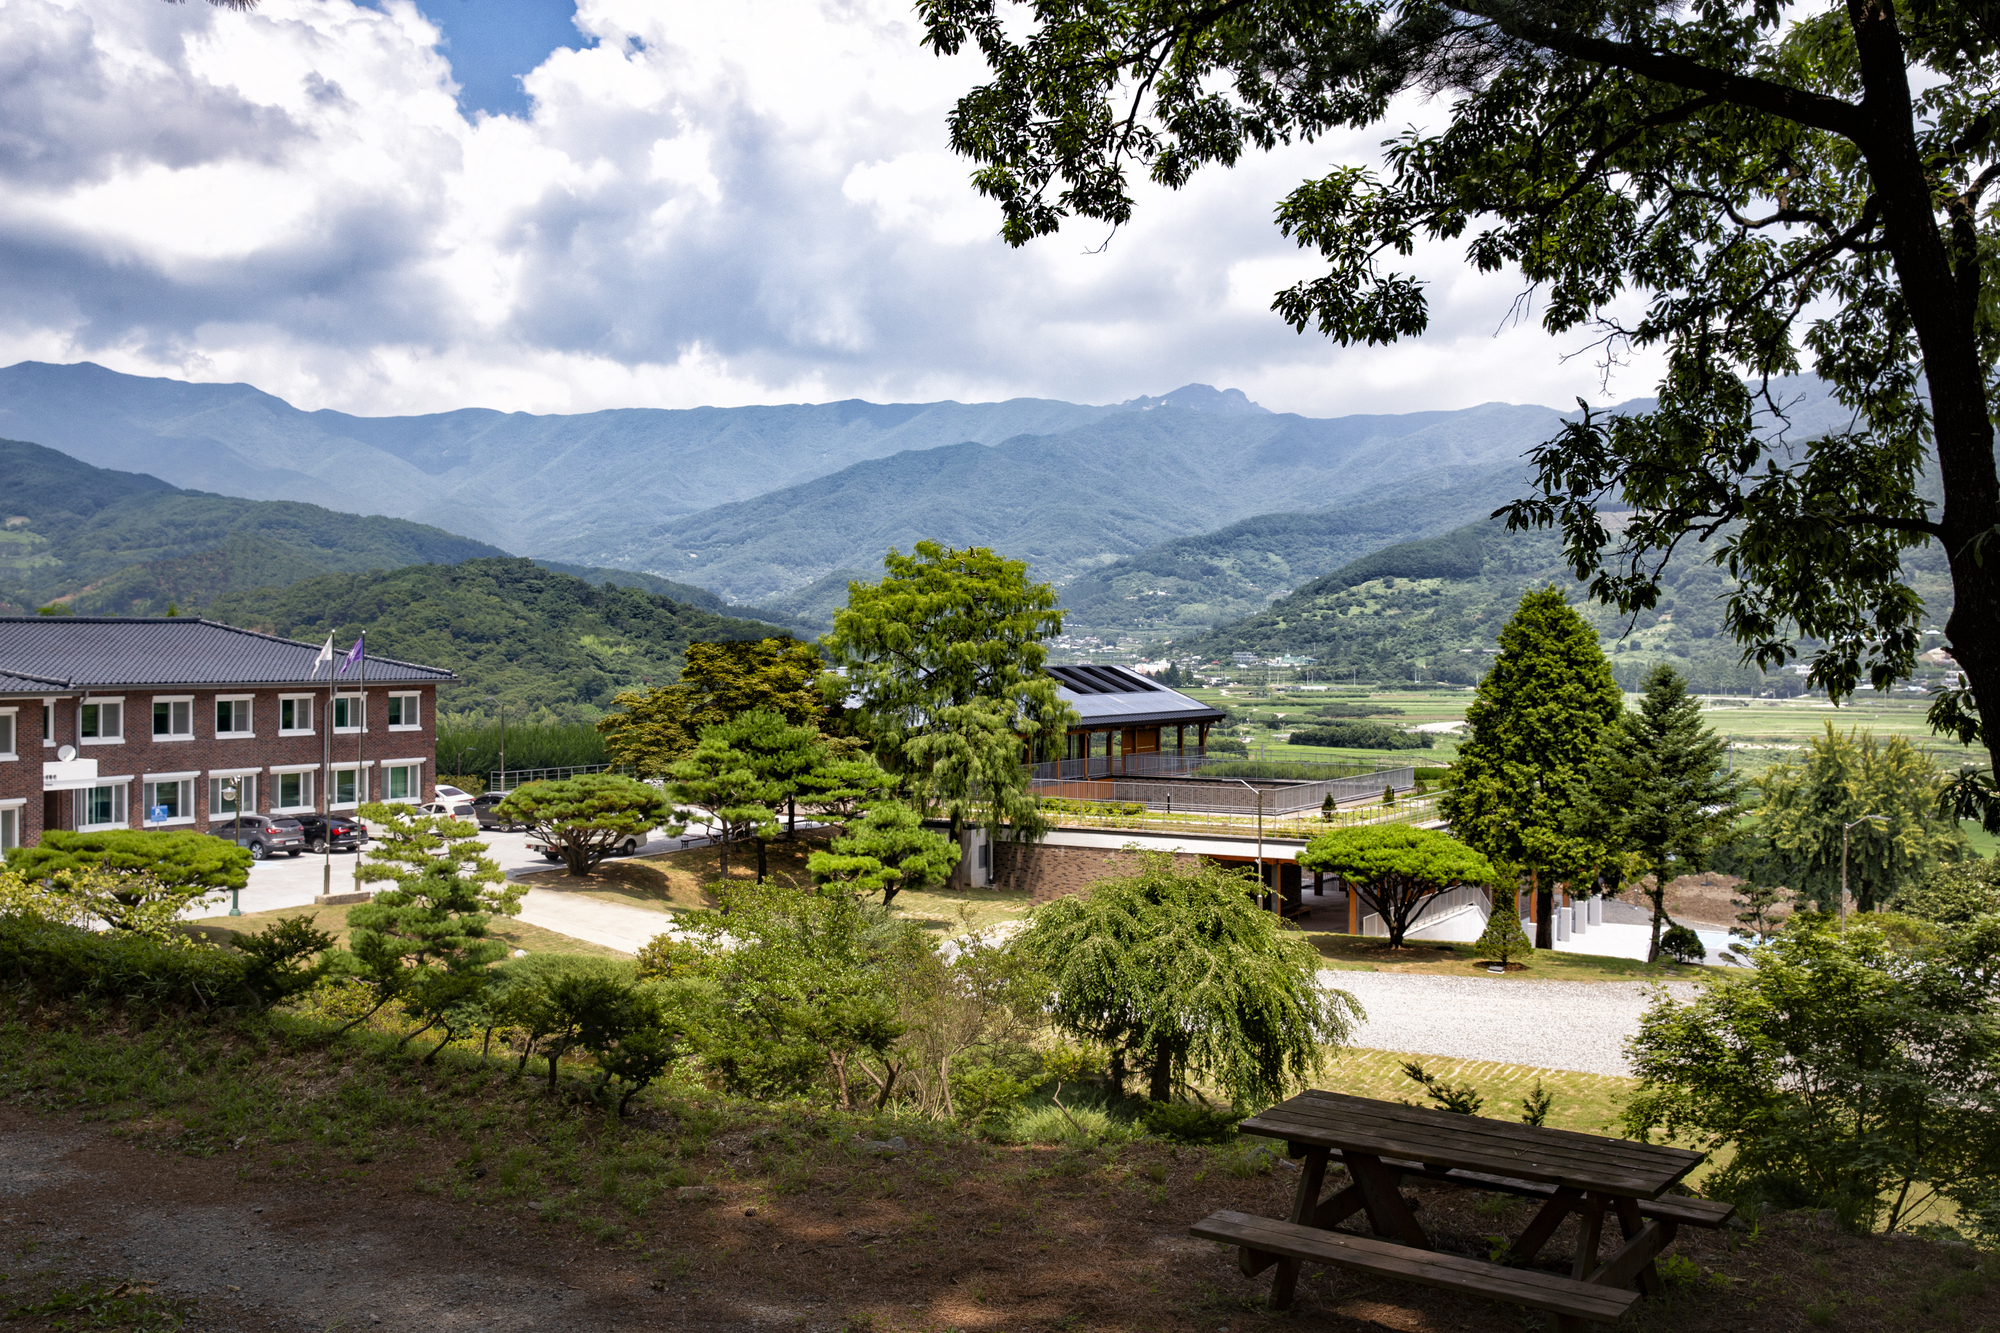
pixel 229 795
pixel 1278 896
pixel 495 699
pixel 1844 830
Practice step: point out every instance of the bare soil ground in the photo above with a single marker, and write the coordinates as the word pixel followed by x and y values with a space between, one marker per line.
pixel 952 1235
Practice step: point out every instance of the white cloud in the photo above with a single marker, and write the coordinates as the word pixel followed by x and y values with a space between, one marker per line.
pixel 713 204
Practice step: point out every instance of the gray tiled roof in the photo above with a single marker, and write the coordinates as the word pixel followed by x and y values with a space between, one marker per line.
pixel 1113 696
pixel 13 682
pixel 173 650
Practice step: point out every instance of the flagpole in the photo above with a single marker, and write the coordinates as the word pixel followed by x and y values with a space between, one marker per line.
pixel 360 733
pixel 326 776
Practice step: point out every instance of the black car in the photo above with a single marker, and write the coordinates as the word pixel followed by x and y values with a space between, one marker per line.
pixel 482 810
pixel 349 834
pixel 264 835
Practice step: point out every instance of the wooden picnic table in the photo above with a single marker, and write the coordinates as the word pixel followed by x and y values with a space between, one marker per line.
pixel 1383 1144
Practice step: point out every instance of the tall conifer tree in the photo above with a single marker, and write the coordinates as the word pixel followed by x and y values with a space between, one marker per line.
pixel 1533 731
pixel 1658 788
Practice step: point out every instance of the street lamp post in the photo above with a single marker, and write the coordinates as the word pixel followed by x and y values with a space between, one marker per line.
pixel 1844 830
pixel 495 699
pixel 1278 898
pixel 229 795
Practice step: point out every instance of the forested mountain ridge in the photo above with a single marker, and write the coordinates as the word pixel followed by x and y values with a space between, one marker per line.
pixel 547 645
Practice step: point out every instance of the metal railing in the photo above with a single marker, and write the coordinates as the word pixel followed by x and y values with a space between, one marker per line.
pixel 1195 793
pixel 1301 826
pixel 506 779
pixel 1147 764
pixel 1438 909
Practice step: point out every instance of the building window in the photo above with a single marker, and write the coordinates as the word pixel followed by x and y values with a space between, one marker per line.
pixel 48 721
pixel 350 713
pixel 221 807
pixel 295 715
pixel 402 782
pixel 7 719
pixel 168 800
pixel 10 827
pixel 232 716
pixel 350 788
pixel 403 714
pixel 295 791
pixel 173 719
pixel 101 722
pixel 101 807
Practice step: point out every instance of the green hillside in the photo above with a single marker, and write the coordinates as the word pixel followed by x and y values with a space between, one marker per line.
pixel 549 646
pixel 1432 610
pixel 804 627
pixel 127 543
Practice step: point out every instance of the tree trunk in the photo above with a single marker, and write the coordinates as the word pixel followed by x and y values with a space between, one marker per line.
pixel 1160 1083
pixel 1545 910
pixel 791 816
pixel 1658 895
pixel 760 860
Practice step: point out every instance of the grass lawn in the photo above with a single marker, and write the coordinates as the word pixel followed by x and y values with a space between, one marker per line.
pixel 1591 1103
pixel 515 934
pixel 1357 953
pixel 678 883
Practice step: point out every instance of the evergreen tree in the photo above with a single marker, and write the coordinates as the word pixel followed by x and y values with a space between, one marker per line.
pixel 1503 940
pixel 720 682
pixel 743 772
pixel 889 849
pixel 1658 789
pixel 1532 732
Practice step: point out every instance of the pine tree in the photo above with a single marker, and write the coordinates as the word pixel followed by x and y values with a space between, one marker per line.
pixel 1658 788
pixel 1533 731
pixel 1503 940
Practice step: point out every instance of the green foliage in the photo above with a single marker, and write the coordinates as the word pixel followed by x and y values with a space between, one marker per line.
pixel 1396 868
pixel 1535 1106
pixel 942 664
pixel 744 770
pixel 1841 1072
pixel 1953 894
pixel 1658 792
pixel 1681 944
pixel 1179 972
pixel 1460 1099
pixel 1064 805
pixel 1503 940
pixel 586 817
pixel 473 746
pixel 137 880
pixel 549 646
pixel 1227 745
pixel 1533 731
pixel 1843 778
pixel 633 1027
pixel 1189 1122
pixel 60 961
pixel 425 942
pixel 720 682
pixel 1360 736
pixel 887 849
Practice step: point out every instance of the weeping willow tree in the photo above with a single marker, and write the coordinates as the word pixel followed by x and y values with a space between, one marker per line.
pixel 1180 973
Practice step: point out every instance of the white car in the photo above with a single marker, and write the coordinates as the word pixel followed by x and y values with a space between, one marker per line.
pixel 456 808
pixel 449 793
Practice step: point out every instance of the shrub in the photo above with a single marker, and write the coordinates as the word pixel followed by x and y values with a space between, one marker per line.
pixel 60 961
pixel 1503 939
pixel 1361 736
pixel 1226 745
pixel 1063 805
pixel 1187 1122
pixel 1681 944
pixel 1953 894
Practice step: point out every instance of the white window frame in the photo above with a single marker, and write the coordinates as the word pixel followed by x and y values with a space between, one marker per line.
pixel 333 713
pixel 49 723
pixel 13 716
pixel 333 801
pixel 415 768
pixel 249 702
pixel 171 699
pixel 123 786
pixel 13 820
pixel 153 782
pixel 413 707
pixel 295 700
pixel 97 702
pixel 308 781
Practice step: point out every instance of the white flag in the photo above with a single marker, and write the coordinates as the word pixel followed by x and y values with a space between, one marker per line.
pixel 325 653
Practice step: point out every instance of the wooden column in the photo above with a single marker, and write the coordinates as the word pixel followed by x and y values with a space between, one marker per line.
pixel 1353 910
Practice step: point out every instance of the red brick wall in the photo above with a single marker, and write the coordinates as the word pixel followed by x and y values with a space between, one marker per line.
pixel 1045 872
pixel 140 754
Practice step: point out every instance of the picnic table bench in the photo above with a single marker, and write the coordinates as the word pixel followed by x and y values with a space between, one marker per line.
pixel 1384 1144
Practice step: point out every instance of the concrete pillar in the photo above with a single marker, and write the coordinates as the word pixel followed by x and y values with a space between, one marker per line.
pixel 1562 924
pixel 1596 913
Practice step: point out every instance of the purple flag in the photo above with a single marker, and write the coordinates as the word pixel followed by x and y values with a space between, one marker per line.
pixel 353 655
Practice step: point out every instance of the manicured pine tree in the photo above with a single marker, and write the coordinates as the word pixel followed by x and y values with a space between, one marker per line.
pixel 1658 788
pixel 1533 732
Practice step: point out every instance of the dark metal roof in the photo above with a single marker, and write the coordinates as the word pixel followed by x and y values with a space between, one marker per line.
pixel 1115 696
pixel 98 652
pixel 16 682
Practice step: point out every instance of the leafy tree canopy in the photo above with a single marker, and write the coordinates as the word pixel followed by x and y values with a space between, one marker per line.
pixel 887 849
pixel 1179 971
pixel 586 816
pixel 134 879
pixel 1953 894
pixel 720 681
pixel 1771 190
pixel 1844 777
pixel 1397 869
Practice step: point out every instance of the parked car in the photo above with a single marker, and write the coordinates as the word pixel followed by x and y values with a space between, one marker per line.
pixel 482 810
pixel 348 834
pixel 264 835
pixel 457 809
pixel 447 792
pixel 625 848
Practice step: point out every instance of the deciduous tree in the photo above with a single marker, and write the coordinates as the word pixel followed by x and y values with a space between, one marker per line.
pixel 1533 730
pixel 586 817
pixel 1178 971
pixel 1398 869
pixel 1742 192
pixel 720 681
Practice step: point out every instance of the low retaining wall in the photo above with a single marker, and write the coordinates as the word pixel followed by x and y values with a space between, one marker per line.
pixel 1044 872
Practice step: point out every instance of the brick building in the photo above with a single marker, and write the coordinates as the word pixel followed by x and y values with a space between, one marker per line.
pixel 162 714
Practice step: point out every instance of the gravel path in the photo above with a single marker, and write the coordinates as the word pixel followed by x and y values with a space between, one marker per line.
pixel 1580 1025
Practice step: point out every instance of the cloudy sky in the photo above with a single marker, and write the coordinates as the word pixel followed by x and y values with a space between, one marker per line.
pixel 535 205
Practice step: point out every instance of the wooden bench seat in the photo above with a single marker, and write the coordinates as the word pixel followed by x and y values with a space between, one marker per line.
pixel 1473 1277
